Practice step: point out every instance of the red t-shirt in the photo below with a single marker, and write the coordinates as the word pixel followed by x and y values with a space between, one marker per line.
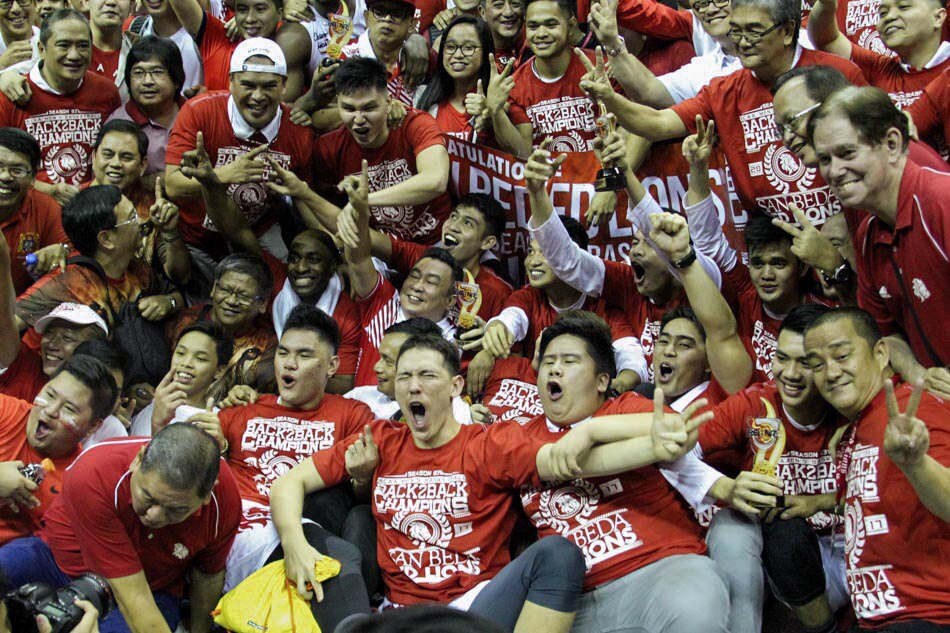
pixel 337 155
pixel 494 289
pixel 105 63
pixel 918 246
pixel 767 175
pixel 805 467
pixel 541 314
pixel 267 439
pixel 621 523
pixel 443 515
pixel 885 72
pixel 36 224
pixel 346 314
pixel 208 113
pixel 15 447
pixel 24 378
pixel 215 49
pixel 655 18
pixel 511 391
pixel 558 109
pixel 931 112
pixel 896 549
pixel 65 126
pixel 93 527
pixel 378 310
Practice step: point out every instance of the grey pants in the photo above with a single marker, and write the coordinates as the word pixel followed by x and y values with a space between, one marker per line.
pixel 678 594
pixel 735 543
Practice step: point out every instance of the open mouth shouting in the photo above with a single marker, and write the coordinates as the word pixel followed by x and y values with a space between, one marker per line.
pixel 417 416
pixel 665 373
pixel 449 241
pixel 288 381
pixel 555 391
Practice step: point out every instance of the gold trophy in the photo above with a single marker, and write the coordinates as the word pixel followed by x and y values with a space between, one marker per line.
pixel 768 440
pixel 469 301
pixel 340 28
pixel 609 178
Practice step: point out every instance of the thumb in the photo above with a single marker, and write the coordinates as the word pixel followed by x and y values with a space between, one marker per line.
pixel 200 142
pixel 479 89
pixel 209 403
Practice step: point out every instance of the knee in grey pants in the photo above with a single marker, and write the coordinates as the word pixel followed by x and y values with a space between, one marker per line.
pixel 735 544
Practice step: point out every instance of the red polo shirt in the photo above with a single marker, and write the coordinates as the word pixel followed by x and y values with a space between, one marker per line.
pixel 931 112
pixel 93 527
pixel 918 245
pixel 35 225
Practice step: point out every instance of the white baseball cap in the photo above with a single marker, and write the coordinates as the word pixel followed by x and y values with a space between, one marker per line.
pixel 258 46
pixel 74 313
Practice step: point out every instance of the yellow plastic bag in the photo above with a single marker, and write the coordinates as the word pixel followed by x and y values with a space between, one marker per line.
pixel 265 602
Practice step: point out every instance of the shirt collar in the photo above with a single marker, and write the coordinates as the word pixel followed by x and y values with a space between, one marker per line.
pixel 37 77
pixel 797 58
pixel 364 47
pixel 244 131
pixel 687 398
pixel 905 196
pixel 942 55
pixel 554 428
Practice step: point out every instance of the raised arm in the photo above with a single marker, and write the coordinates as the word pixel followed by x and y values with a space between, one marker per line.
pixel 515 139
pixel 9 332
pixel 432 165
pixel 172 252
pixel 823 29
pixel 353 227
pixel 728 358
pixel 190 14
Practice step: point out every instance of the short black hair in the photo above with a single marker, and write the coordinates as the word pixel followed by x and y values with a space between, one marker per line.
pixel 123 126
pixel 820 81
pixel 567 7
pixel 683 312
pixel 416 326
pixel 223 343
pixel 250 265
pixel 446 349
pixel 165 51
pixel 90 211
pixel 590 328
pixel 360 73
pixel 440 254
pixel 20 142
pixel 313 319
pixel 46 28
pixel 95 375
pixel 801 317
pixel 106 351
pixel 864 324
pixel 576 230
pixel 185 457
pixel 492 212
pixel 760 232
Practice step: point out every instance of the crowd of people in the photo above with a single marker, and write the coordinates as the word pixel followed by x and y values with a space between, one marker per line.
pixel 248 313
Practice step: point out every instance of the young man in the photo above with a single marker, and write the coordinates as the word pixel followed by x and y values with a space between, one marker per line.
pixel 408 166
pixel 893 498
pixel 150 516
pixel 912 28
pixel 199 358
pixel 61 105
pixel 768 177
pixel 102 225
pixel 69 408
pixel 381 397
pixel 443 504
pixel 861 139
pixel 244 131
pixel 18 36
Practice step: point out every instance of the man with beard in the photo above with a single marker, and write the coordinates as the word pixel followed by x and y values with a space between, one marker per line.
pixel 892 475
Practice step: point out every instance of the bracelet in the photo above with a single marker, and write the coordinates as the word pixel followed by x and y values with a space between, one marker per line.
pixel 173 301
pixel 227 445
pixel 614 52
pixel 686 260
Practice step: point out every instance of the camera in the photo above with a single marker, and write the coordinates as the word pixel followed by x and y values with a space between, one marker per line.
pixel 58 605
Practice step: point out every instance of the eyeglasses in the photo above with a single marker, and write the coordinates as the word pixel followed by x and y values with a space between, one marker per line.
pixel 791 125
pixel 239 297
pixel 389 14
pixel 5 5
pixel 17 171
pixel 144 227
pixel 752 37
pixel 467 49
pixel 139 73
pixel 702 5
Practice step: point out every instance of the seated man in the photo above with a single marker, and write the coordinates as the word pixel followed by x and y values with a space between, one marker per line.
pixel 408 166
pixel 381 397
pixel 892 473
pixel 70 407
pixel 148 515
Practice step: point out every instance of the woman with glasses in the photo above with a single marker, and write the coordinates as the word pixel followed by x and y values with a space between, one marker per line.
pixel 454 96
pixel 155 76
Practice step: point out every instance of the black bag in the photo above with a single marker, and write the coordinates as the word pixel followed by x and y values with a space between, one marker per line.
pixel 143 342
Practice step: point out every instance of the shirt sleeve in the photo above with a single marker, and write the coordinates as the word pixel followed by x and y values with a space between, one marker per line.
pixel 349 321
pixel 181 139
pixel 726 431
pixel 871 64
pixel 653 18
pixel 628 354
pixel 692 478
pixel 515 319
pixel 700 104
pixel 571 264
pixel 423 132
pixel 520 466
pixel 686 82
pixel 331 462
pixel 708 237
pixel 404 255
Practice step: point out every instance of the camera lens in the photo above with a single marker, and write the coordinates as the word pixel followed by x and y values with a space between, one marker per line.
pixel 91 587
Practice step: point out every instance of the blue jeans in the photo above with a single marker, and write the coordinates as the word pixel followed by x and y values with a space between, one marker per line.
pixel 29 559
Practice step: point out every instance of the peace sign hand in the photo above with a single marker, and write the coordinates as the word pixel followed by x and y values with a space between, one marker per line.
pixel 906 438
pixel 808 243
pixel 699 146
pixel 595 82
pixel 674 435
pixel 500 85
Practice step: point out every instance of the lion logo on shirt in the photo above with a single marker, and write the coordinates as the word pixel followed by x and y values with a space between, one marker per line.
pixel 871 40
pixel 571 502
pixel 424 529
pixel 66 164
pixel 782 168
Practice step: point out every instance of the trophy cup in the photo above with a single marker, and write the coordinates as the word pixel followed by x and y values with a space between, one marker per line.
pixel 340 27
pixel 469 300
pixel 768 440
pixel 609 178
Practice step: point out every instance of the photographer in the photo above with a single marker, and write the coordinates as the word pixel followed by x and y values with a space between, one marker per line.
pixel 88 624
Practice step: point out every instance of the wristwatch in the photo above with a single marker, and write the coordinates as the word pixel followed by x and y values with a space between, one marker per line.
pixel 841 275
pixel 686 260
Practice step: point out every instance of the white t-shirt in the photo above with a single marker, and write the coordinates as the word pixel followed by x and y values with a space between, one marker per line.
pixel 190 58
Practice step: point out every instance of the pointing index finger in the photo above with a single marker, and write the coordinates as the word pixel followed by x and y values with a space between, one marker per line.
pixel 159 193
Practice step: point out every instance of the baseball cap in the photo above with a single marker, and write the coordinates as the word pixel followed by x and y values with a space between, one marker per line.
pixel 258 46
pixel 74 313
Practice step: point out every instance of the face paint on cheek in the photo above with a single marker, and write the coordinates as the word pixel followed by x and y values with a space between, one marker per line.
pixel 70 423
pixel 40 401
